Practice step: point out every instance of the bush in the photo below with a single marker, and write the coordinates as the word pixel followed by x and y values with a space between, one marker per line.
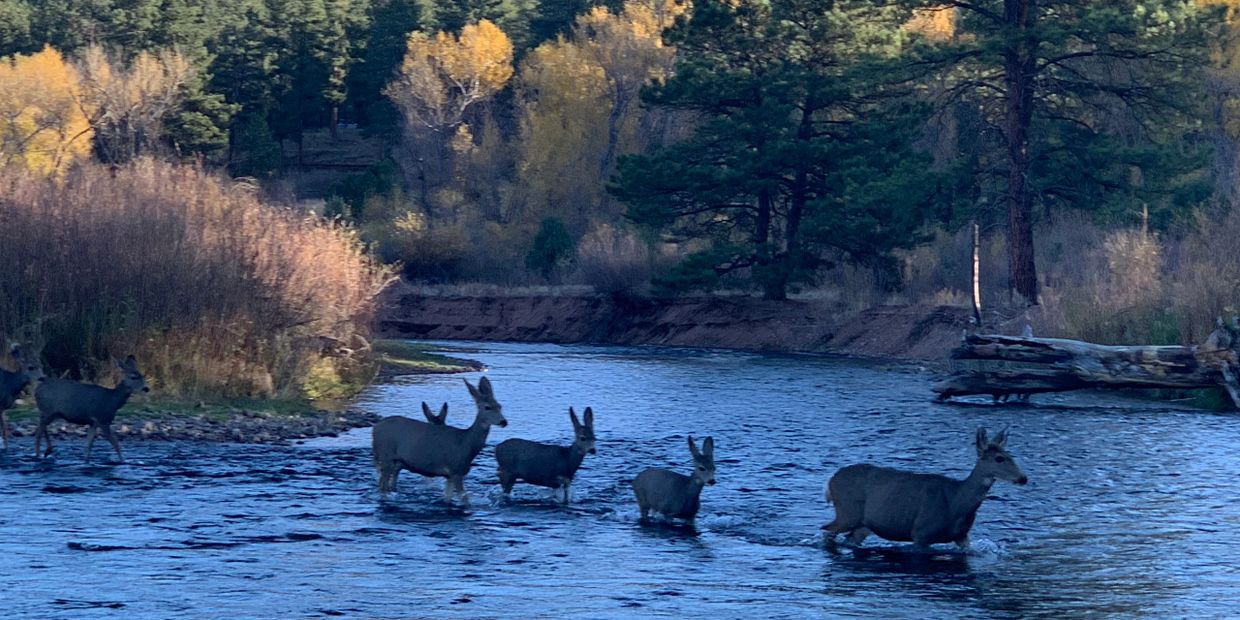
pixel 552 249
pixel 615 261
pixel 217 293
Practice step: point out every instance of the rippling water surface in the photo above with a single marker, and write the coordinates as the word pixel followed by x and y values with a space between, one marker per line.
pixel 1131 509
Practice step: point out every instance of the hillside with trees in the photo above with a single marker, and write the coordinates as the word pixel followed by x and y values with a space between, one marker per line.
pixel 839 150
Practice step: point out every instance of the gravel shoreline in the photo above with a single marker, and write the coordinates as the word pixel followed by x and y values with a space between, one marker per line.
pixel 238 427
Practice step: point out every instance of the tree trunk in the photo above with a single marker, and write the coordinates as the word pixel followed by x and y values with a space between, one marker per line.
pixel 1019 60
pixel 798 199
pixel 1074 365
pixel 335 120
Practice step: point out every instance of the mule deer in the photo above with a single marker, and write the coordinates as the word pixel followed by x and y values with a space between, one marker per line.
pixel 543 464
pixel 922 508
pixel 438 420
pixel 12 384
pixel 81 403
pixel 675 495
pixel 435 450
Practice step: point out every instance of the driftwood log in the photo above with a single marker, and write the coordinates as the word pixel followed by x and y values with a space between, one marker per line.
pixel 1065 365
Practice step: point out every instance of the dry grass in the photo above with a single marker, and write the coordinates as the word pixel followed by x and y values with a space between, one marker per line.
pixel 217 293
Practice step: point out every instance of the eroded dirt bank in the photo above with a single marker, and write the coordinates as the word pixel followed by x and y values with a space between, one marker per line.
pixel 911 332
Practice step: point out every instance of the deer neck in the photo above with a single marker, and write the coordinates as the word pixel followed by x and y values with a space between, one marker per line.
pixel 476 434
pixel 972 492
pixel 575 456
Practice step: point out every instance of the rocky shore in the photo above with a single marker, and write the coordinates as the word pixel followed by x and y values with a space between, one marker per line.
pixel 239 426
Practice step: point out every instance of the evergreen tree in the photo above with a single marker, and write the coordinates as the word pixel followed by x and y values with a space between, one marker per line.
pixel 390 23
pixel 1082 95
pixel 802 152
pixel 14 27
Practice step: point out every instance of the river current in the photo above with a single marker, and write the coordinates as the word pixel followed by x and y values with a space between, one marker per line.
pixel 1131 509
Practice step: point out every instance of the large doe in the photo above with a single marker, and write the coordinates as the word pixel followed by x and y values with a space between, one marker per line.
pixel 85 404
pixel 676 496
pixel 546 465
pixel 12 384
pixel 923 508
pixel 435 450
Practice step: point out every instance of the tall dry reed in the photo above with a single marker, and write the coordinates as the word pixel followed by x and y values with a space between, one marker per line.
pixel 216 292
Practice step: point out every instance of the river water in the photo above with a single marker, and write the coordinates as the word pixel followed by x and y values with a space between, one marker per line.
pixel 1131 509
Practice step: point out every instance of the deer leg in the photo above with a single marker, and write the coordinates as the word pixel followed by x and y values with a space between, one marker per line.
pixel 116 445
pixel 568 492
pixel 4 424
pixel 41 433
pixel 506 482
pixel 90 439
pixel 857 536
pixel 963 542
pixel 460 489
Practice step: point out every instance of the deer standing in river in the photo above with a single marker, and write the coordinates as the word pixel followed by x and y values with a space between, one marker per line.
pixel 923 508
pixel 676 496
pixel 85 404
pixel 12 384
pixel 435 450
pixel 546 465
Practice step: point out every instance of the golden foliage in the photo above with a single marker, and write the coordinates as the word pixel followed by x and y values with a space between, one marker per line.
pixel 129 104
pixel 577 100
pixel 936 24
pixel 215 291
pixel 42 125
pixel 443 75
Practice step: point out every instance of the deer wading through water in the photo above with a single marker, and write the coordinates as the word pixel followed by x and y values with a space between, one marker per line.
pixel 923 508
pixel 676 496
pixel 12 384
pixel 543 464
pixel 85 404
pixel 435 450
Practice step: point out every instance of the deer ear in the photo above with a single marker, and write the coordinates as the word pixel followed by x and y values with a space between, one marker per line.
pixel 1000 439
pixel 473 391
pixel 426 410
pixel 693 449
pixel 572 415
pixel 708 447
pixel 589 417
pixel 982 442
pixel 443 412
pixel 484 386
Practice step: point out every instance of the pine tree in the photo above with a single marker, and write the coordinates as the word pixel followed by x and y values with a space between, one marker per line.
pixel 803 149
pixel 1082 93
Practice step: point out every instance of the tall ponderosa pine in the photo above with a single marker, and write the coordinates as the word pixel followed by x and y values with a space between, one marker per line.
pixel 801 153
pixel 1080 93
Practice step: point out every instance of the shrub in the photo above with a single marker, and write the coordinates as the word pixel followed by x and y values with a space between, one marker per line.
pixel 615 261
pixel 216 292
pixel 552 249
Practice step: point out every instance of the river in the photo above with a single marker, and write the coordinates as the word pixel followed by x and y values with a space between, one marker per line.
pixel 1131 509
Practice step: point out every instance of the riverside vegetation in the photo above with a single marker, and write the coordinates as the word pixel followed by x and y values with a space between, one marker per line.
pixel 222 188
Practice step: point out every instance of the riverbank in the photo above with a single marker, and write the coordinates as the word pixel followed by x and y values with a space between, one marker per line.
pixel 914 332
pixel 257 422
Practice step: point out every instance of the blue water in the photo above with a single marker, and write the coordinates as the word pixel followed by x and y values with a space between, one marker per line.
pixel 1131 508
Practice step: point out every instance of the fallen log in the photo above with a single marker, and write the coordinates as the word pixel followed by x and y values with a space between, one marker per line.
pixel 1073 365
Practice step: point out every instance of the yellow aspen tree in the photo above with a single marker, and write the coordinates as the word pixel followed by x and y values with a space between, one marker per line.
pixel 43 127
pixel 441 78
pixel 563 111
pixel 578 105
pixel 130 103
pixel 629 48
